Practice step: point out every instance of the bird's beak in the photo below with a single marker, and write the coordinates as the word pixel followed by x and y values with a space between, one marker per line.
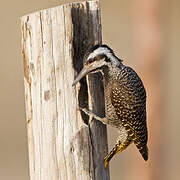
pixel 83 73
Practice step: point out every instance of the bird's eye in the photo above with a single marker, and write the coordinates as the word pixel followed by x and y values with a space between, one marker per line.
pixel 90 60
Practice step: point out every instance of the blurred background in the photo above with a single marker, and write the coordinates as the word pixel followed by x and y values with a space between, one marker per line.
pixel 145 33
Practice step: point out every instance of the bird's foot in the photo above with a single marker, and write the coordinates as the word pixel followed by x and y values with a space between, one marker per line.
pixel 92 115
pixel 89 113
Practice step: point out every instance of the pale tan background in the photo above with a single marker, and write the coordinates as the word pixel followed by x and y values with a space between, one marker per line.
pixel 118 25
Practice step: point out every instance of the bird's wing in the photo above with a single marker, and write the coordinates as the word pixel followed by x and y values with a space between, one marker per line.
pixel 129 101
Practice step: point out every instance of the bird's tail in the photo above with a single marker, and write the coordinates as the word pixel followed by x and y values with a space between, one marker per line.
pixel 143 149
pixel 144 152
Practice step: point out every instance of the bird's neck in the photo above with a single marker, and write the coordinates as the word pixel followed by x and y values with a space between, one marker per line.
pixel 111 72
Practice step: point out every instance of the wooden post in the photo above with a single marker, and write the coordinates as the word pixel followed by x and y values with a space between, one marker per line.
pixel 63 145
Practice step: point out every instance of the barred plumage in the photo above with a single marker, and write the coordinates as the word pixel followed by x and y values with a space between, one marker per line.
pixel 125 99
pixel 128 97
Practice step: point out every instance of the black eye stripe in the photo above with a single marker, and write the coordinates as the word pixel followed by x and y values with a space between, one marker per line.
pixel 102 56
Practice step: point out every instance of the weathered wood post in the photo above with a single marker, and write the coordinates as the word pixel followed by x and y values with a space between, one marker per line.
pixel 63 145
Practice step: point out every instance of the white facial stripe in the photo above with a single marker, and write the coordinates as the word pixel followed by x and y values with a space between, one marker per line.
pixel 106 51
pixel 100 50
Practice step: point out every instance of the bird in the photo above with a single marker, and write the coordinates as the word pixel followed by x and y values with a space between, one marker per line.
pixel 125 99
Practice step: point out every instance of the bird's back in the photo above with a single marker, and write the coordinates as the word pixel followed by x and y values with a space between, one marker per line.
pixel 125 102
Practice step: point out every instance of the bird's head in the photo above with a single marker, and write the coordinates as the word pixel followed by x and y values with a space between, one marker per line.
pixel 95 59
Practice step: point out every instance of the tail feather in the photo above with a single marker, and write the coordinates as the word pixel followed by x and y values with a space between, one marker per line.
pixel 144 152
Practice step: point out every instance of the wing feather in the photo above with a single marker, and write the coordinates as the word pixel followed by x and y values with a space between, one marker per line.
pixel 128 97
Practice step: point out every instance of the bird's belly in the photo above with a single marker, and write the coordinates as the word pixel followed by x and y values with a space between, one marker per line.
pixel 110 110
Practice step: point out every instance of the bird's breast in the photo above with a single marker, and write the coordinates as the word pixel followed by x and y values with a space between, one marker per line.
pixel 111 114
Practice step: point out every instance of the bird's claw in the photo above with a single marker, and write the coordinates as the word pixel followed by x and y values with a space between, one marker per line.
pixel 86 111
pixel 89 113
